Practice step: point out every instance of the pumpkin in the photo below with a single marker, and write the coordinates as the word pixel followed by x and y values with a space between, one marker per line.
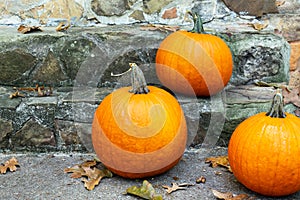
pixel 194 62
pixel 264 151
pixel 139 131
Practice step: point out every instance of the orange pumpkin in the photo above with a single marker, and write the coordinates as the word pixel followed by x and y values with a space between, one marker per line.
pixel 139 131
pixel 264 151
pixel 193 62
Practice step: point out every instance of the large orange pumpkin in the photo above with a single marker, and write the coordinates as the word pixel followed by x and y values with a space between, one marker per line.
pixel 264 151
pixel 193 62
pixel 139 131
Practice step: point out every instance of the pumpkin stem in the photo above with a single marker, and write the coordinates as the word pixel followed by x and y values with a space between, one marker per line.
pixel 198 24
pixel 277 110
pixel 138 82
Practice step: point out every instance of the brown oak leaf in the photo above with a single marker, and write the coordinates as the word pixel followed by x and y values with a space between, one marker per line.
pixel 29 29
pixel 163 28
pixel 76 171
pixel 10 164
pixel 176 187
pixel 231 196
pixel 292 96
pixel 63 26
pixel 279 2
pixel 91 175
pixel 260 25
pixel 94 176
pixel 219 161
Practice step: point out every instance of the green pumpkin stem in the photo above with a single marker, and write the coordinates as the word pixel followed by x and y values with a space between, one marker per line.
pixel 198 24
pixel 277 110
pixel 138 81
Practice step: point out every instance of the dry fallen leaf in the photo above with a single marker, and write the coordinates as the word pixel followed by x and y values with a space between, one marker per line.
pixel 63 26
pixel 90 173
pixel 219 161
pixel 94 176
pixel 10 164
pixel 291 95
pixel 260 25
pixel 231 196
pixel 146 191
pixel 28 29
pixel 77 171
pixel 176 187
pixel 154 27
pixel 275 85
pixel 41 91
pixel 16 94
pixel 280 3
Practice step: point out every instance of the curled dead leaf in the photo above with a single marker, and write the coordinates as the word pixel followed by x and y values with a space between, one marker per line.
pixel 176 187
pixel 260 25
pixel 41 91
pixel 154 27
pixel 63 26
pixel 28 29
pixel 146 191
pixel 94 177
pixel 279 2
pixel 292 95
pixel 16 94
pixel 231 196
pixel 219 161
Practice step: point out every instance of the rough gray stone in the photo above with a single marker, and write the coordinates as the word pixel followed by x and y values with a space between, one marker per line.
pixel 74 52
pixel 154 6
pixel 262 57
pixel 89 57
pixel 143 57
pixel 244 101
pixel 137 15
pixel 205 119
pixel 79 104
pixel 85 135
pixel 67 132
pixel 6 128
pixel 132 2
pixel 33 136
pixel 109 8
pixel 50 72
pixel 15 66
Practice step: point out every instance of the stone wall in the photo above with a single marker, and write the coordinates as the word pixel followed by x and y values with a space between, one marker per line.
pixel 104 37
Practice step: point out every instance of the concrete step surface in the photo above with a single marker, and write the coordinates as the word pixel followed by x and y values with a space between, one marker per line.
pixel 41 176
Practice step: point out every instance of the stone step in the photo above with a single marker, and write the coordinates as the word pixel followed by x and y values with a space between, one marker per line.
pixel 78 65
pixel 62 121
pixel 89 55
